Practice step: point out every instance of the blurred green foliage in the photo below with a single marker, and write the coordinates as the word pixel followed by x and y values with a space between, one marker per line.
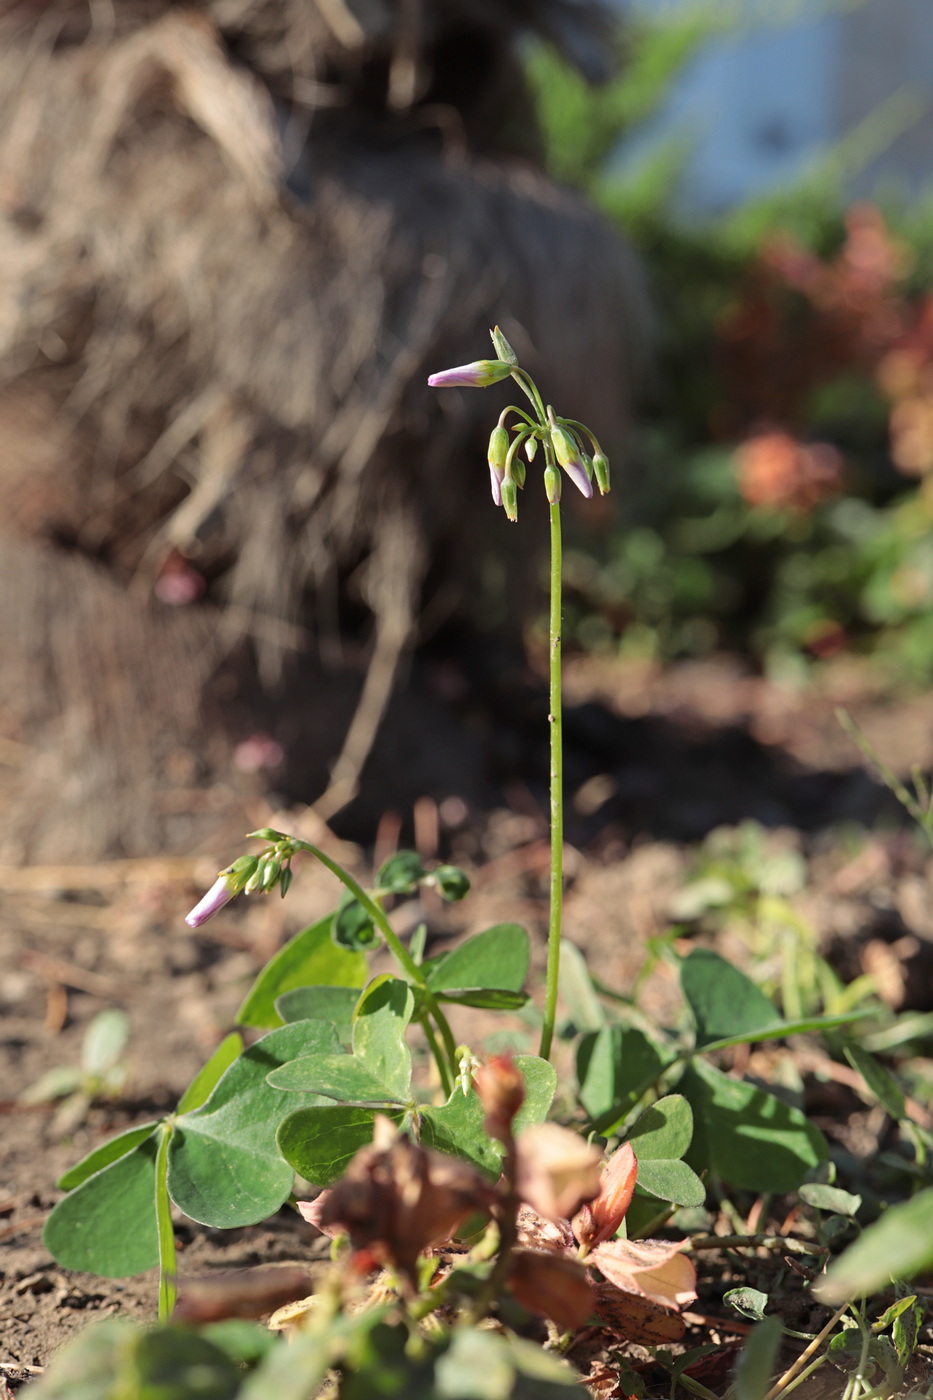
pixel 776 324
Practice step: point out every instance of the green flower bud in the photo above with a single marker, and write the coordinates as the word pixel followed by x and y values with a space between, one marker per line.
pixel 498 448
pixel 285 880
pixel 255 880
pixel 569 456
pixel 531 447
pixel 504 350
pixel 601 470
pixel 588 464
pixel 510 498
pixel 241 872
pixel 565 446
pixel 271 874
pixel 552 484
pixel 518 471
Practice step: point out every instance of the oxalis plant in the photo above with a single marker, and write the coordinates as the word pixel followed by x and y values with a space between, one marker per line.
pixel 451 1201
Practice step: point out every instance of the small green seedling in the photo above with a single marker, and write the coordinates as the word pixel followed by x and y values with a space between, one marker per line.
pixel 101 1074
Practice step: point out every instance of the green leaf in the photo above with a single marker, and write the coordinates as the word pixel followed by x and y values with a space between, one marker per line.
pixel 750 1302
pixel 352 928
pixel 758 1359
pixel 87 1368
pixel 379 1024
pixel 224 1166
pixel 311 958
pixel 540 1087
pixel 746 1136
pixel 497 957
pixel 615 1066
pixel 334 1004
pixel 107 1224
pixel 450 881
pixel 104 1041
pixel 342 1077
pixel 893 1312
pixel 180 1364
pixel 882 1084
pixel 110 1151
pixel 55 1083
pixel 490 998
pixel 781 1029
pixel 485 1365
pixel 724 1002
pixel 244 1342
pixel 664 1130
pixel 202 1085
pixel 898 1245
pixel 829 1198
pixel 401 873
pixel 906 1329
pixel 319 1142
pixel 577 992
pixel 292 1372
pixel 671 1180
pixel 457 1127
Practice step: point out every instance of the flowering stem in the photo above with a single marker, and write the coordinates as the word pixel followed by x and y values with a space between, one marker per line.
pixel 402 956
pixel 555 718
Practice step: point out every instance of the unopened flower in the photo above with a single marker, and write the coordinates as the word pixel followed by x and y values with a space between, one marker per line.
pixel 556 1171
pixel 220 893
pixel 601 471
pixel 396 1199
pixel 570 458
pixel 509 493
pixel 601 1217
pixel 502 347
pixel 501 1091
pixel 478 375
pixel 656 1269
pixel 552 1284
pixel 496 454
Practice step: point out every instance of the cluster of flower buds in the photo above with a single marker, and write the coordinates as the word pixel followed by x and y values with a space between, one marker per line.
pixel 248 875
pixel 565 440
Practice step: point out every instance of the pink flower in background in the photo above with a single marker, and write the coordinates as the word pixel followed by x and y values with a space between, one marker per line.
pixel 257 752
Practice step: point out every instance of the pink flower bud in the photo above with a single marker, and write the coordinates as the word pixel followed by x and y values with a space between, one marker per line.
pixel 479 375
pixel 220 893
pixel 569 456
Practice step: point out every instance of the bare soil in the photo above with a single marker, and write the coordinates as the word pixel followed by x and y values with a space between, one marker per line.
pixel 655 761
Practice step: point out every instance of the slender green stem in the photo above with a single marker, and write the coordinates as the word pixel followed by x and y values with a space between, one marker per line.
pixel 397 948
pixel 165 1230
pixel 555 718
pixel 525 382
pixel 446 1081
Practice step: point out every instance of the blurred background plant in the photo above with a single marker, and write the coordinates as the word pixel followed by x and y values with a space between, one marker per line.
pixel 780 497
pixel 101 1074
